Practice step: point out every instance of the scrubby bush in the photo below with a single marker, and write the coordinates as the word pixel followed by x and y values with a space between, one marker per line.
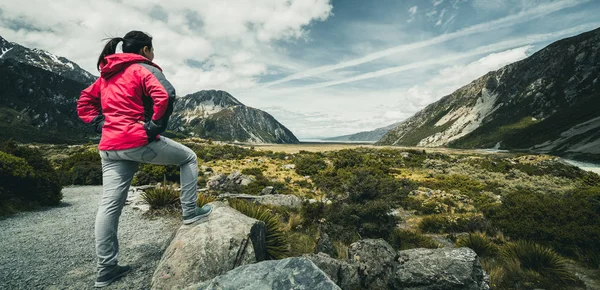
pixel 28 179
pixel 83 168
pixel 161 197
pixel 454 223
pixel 529 263
pixel 480 243
pixel 567 223
pixel 252 171
pixel 309 164
pixel 406 239
pixel 277 244
pixel 152 173
pixel 203 199
pixel 222 152
pixel 370 219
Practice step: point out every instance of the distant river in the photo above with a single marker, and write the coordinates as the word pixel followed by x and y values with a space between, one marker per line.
pixel 584 165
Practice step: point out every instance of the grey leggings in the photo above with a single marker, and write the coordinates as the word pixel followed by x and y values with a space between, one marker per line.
pixel 118 168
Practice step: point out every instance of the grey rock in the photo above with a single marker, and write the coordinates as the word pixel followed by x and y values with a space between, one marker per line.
pixel 432 269
pixel 226 239
pixel 376 260
pixel 287 200
pixel 324 245
pixel 268 190
pixel 215 182
pixel 289 166
pixel 344 274
pixel 291 273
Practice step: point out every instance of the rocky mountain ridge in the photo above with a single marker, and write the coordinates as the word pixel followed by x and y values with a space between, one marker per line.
pixel 218 115
pixel 544 103
pixel 367 136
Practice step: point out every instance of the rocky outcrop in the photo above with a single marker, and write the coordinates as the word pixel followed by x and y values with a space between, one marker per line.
pixel 290 273
pixel 287 200
pixel 373 264
pixel 446 268
pixel 229 182
pixel 226 239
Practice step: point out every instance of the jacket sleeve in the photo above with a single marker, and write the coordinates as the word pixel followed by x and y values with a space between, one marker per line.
pixel 89 107
pixel 159 89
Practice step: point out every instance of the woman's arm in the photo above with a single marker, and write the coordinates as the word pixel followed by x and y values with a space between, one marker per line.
pixel 89 107
pixel 162 93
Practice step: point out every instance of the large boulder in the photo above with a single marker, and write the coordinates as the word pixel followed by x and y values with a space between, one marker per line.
pixel 433 269
pixel 373 264
pixel 344 274
pixel 376 260
pixel 201 251
pixel 291 273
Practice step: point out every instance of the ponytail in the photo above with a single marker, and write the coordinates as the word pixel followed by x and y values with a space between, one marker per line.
pixel 133 42
pixel 109 48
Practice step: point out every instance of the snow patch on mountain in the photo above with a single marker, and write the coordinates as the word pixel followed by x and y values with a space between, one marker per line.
pixel 4 51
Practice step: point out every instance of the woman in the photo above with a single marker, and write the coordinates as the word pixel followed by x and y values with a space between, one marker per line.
pixel 130 105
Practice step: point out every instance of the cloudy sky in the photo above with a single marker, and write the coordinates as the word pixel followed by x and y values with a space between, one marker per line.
pixel 321 67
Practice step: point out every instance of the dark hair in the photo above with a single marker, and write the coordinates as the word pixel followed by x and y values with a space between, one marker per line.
pixel 132 43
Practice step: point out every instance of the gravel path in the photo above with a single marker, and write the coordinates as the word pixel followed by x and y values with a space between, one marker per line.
pixel 53 248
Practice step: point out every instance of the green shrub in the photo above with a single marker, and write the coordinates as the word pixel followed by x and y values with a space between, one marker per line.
pixel 277 244
pixel 161 197
pixel 28 179
pixel 567 223
pixel 454 223
pixel 544 262
pixel 152 173
pixel 252 171
pixel 203 199
pixel 479 243
pixel 370 219
pixel 406 239
pixel 309 164
pixel 82 169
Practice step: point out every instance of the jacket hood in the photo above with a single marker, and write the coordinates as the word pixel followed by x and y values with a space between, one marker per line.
pixel 117 62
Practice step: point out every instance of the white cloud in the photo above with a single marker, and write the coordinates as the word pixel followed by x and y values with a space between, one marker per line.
pixel 412 11
pixel 235 38
pixel 511 20
pixel 450 58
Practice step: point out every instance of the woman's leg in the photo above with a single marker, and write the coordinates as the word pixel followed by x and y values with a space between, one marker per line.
pixel 116 178
pixel 168 152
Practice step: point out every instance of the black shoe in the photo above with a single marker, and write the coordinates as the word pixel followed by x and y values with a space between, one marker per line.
pixel 112 276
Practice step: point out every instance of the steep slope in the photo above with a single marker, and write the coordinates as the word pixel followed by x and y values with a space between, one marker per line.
pixel 367 136
pixel 37 105
pixel 44 60
pixel 219 116
pixel 544 103
pixel 38 95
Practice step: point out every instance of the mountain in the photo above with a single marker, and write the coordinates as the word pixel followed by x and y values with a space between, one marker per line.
pixel 547 103
pixel 45 60
pixel 367 136
pixel 219 116
pixel 38 94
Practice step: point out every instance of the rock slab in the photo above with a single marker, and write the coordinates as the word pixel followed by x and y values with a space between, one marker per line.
pixel 226 239
pixel 292 273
